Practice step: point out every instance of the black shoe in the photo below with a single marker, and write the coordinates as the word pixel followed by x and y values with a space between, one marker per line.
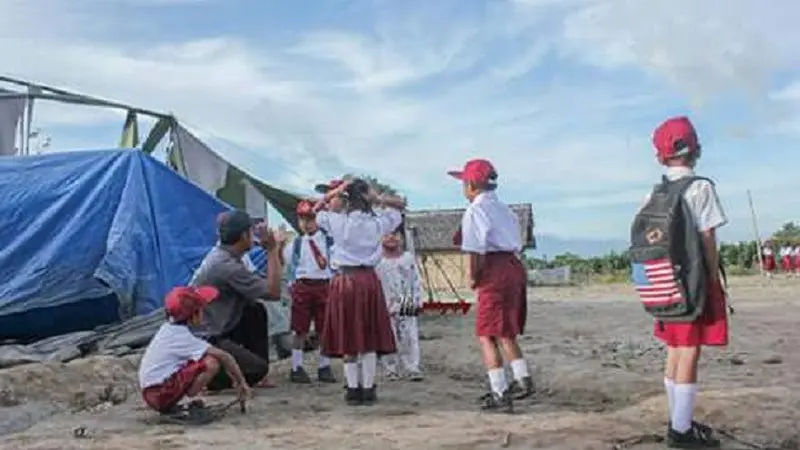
pixel 698 436
pixel 353 396
pixel 299 376
pixel 499 403
pixel 325 375
pixel 369 396
pixel 521 390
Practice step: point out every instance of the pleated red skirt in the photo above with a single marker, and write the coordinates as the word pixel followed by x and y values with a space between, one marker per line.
pixel 356 319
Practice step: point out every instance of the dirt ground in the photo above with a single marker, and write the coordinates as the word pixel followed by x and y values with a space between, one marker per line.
pixel 596 366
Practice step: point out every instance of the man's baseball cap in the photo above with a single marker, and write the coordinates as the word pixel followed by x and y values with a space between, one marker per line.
pixel 323 188
pixel 232 224
pixel 183 302
pixel 476 171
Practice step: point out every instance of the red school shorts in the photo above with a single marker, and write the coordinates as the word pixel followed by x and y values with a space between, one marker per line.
pixel 309 300
pixel 710 329
pixel 502 297
pixel 163 397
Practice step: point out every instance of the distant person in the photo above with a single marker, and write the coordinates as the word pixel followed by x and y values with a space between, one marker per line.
pixel 491 237
pixel 236 321
pixel 797 260
pixel 677 274
pixel 307 258
pixel 176 364
pixel 402 288
pixel 356 321
pixel 768 259
pixel 787 260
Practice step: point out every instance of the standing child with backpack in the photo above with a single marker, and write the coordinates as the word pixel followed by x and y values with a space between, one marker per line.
pixel 676 269
pixel 490 235
pixel 307 260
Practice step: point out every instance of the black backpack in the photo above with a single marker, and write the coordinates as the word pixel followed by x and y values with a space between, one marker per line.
pixel 668 263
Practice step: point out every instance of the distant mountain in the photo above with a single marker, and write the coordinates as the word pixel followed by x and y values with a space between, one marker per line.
pixel 553 245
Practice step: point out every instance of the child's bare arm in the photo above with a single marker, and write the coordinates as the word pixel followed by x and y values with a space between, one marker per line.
pixel 228 363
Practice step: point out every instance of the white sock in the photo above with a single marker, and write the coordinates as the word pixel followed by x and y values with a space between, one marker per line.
pixel 351 374
pixel 497 380
pixel 669 386
pixel 683 409
pixel 519 367
pixel 297 359
pixel 324 362
pixel 369 362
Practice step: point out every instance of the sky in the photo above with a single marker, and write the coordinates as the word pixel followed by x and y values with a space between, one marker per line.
pixel 562 95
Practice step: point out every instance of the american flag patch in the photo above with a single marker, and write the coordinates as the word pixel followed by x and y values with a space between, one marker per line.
pixel 656 284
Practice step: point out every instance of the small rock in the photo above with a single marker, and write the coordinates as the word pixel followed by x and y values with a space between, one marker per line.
pixel 773 360
pixel 737 361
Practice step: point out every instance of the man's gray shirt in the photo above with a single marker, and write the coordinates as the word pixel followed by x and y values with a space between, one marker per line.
pixel 237 286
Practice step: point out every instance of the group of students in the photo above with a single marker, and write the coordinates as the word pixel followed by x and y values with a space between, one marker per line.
pixel 788 256
pixel 352 239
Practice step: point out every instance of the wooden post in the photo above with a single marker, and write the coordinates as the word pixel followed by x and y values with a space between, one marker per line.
pixel 755 230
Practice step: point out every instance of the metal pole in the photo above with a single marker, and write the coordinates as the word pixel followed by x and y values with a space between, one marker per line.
pixel 757 234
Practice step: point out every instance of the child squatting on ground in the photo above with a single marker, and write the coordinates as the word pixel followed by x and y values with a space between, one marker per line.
pixel 490 235
pixel 402 287
pixel 176 364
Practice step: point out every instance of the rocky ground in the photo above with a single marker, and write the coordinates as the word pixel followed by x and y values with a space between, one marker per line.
pixel 598 370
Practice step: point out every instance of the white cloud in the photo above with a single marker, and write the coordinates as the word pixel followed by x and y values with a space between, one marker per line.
pixel 414 93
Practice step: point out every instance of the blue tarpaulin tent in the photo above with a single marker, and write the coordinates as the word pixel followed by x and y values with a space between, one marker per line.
pixel 93 237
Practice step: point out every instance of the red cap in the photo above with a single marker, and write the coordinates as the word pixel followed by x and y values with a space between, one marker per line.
pixel 476 171
pixel 323 188
pixel 305 209
pixel 183 301
pixel 675 137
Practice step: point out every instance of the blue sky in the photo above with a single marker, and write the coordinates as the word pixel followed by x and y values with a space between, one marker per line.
pixel 562 95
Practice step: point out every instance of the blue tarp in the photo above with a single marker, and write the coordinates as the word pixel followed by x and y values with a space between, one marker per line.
pixel 92 237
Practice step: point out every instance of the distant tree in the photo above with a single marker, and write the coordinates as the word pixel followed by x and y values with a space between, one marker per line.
pixel 789 234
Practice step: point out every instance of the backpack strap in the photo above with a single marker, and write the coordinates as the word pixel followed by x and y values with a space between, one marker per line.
pixel 295 257
pixel 328 244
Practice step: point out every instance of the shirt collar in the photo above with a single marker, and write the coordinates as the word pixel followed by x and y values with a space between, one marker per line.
pixel 677 172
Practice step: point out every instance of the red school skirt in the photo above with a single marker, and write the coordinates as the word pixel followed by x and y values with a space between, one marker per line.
pixel 309 301
pixel 769 263
pixel 710 329
pixel 786 262
pixel 502 296
pixel 356 319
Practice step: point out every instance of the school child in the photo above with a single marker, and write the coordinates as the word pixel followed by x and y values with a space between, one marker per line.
pixel 796 257
pixel 697 291
pixel 787 261
pixel 307 258
pixel 401 281
pixel 357 324
pixel 768 259
pixel 176 364
pixel 490 235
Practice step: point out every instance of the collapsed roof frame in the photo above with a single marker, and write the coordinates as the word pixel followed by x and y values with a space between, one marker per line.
pixel 283 201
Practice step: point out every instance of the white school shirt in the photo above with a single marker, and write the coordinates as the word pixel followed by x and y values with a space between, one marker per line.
pixel 767 251
pixel 400 278
pixel 357 235
pixel 489 225
pixel 170 349
pixel 307 266
pixel 702 198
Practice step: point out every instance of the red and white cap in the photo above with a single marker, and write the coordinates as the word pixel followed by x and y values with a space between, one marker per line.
pixel 183 302
pixel 305 209
pixel 476 171
pixel 674 138
pixel 323 188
